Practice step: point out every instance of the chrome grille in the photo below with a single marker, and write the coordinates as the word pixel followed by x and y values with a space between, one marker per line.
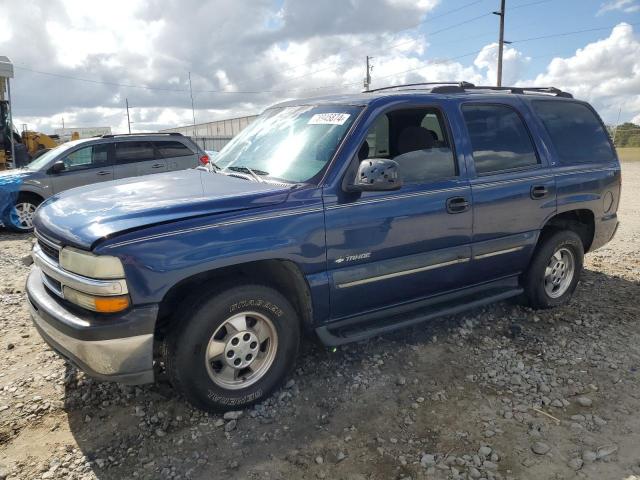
pixel 49 248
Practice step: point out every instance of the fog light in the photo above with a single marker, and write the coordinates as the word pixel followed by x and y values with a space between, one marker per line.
pixel 97 304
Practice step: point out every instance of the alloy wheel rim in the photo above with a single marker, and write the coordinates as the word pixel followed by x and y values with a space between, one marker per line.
pixel 21 215
pixel 559 272
pixel 241 350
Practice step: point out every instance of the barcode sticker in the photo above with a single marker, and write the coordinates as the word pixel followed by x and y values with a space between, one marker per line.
pixel 329 119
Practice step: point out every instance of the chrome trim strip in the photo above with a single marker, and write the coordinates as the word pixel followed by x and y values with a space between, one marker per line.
pixel 497 252
pixel 396 197
pixel 402 273
pixel 476 183
pixel 215 225
pixel 587 170
pixel 77 282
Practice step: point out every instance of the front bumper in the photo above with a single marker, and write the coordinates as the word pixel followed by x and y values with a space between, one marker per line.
pixel 117 348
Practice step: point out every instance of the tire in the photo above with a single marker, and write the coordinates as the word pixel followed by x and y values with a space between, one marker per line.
pixel 555 269
pixel 20 218
pixel 215 330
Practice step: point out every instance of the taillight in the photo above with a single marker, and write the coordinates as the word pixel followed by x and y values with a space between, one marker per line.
pixel 204 159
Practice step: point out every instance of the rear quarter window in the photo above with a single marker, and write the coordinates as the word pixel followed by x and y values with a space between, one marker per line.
pixel 576 132
pixel 172 148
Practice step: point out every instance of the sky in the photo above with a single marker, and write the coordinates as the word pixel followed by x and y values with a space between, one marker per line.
pixel 78 60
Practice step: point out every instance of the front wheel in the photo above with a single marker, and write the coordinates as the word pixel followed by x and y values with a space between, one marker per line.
pixel 22 213
pixel 234 349
pixel 555 270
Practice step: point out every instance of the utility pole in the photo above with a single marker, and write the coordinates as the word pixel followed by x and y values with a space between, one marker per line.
pixel 128 118
pixel 367 77
pixel 62 122
pixel 501 41
pixel 193 112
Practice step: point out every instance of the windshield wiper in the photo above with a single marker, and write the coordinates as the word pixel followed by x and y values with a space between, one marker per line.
pixel 253 172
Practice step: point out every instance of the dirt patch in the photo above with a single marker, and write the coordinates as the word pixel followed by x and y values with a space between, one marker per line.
pixel 501 392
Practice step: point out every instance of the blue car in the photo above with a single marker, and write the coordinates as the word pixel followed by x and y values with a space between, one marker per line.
pixel 344 216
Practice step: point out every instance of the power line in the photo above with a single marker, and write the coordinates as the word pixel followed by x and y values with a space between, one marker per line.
pixel 564 34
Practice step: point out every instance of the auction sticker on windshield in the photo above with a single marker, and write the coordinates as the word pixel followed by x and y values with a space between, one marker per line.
pixel 329 119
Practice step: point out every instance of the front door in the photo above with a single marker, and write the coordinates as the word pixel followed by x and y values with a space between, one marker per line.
pixel 513 189
pixel 389 248
pixel 83 166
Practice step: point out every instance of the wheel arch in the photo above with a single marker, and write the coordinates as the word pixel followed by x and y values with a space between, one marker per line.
pixel 283 275
pixel 580 221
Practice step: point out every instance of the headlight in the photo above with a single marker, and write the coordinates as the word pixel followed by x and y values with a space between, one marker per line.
pixel 90 265
pixel 97 304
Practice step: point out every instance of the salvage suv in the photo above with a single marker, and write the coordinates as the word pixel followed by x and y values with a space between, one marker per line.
pixel 348 216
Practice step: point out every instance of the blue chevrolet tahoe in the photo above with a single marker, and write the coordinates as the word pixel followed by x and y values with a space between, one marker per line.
pixel 347 216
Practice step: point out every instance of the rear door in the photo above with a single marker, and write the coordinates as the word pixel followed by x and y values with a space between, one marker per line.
pixel 84 166
pixel 176 154
pixel 136 158
pixel 395 247
pixel 513 187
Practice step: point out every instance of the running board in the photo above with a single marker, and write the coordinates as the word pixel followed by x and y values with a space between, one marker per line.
pixel 361 328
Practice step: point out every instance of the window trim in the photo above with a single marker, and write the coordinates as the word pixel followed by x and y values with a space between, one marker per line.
pixel 90 166
pixel 537 165
pixel 116 163
pixel 447 128
pixel 556 156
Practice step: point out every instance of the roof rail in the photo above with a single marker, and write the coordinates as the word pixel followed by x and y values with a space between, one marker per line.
pixel 111 135
pixel 523 90
pixel 461 87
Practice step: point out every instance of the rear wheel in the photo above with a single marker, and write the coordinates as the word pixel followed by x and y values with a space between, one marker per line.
pixel 22 213
pixel 555 269
pixel 234 349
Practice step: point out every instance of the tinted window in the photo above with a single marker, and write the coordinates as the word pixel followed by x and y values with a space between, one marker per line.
pixel 576 132
pixel 172 149
pixel 88 157
pixel 417 140
pixel 134 152
pixel 499 138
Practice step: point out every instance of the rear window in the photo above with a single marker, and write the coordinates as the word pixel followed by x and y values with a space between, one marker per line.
pixel 576 132
pixel 134 152
pixel 499 138
pixel 172 148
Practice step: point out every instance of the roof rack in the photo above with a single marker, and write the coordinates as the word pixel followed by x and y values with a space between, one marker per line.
pixel 458 85
pixel 111 135
pixel 461 87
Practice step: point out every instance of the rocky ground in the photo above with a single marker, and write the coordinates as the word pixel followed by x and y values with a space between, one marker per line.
pixel 501 392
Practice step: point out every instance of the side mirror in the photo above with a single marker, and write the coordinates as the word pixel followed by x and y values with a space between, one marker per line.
pixel 376 174
pixel 57 167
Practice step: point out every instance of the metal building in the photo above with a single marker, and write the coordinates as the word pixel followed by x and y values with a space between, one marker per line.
pixel 214 135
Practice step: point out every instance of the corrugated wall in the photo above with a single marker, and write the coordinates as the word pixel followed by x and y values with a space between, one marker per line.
pixel 214 135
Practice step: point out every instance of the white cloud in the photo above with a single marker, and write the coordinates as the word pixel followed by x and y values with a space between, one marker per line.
pixel 626 6
pixel 605 73
pixel 513 64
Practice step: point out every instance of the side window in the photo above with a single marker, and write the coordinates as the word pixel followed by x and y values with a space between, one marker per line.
pixel 168 149
pixel 415 138
pixel 575 131
pixel 499 138
pixel 127 152
pixel 94 156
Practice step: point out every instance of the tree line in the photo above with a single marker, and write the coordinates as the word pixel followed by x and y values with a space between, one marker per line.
pixel 626 135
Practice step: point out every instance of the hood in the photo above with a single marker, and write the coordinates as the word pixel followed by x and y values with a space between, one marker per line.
pixel 82 216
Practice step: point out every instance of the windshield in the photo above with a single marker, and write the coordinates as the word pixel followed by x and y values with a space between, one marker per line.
pixel 293 144
pixel 45 158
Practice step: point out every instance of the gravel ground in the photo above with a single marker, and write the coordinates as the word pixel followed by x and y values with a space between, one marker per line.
pixel 501 392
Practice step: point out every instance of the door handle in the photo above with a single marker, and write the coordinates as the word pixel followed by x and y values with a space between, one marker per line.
pixel 539 191
pixel 157 165
pixel 104 172
pixel 457 205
